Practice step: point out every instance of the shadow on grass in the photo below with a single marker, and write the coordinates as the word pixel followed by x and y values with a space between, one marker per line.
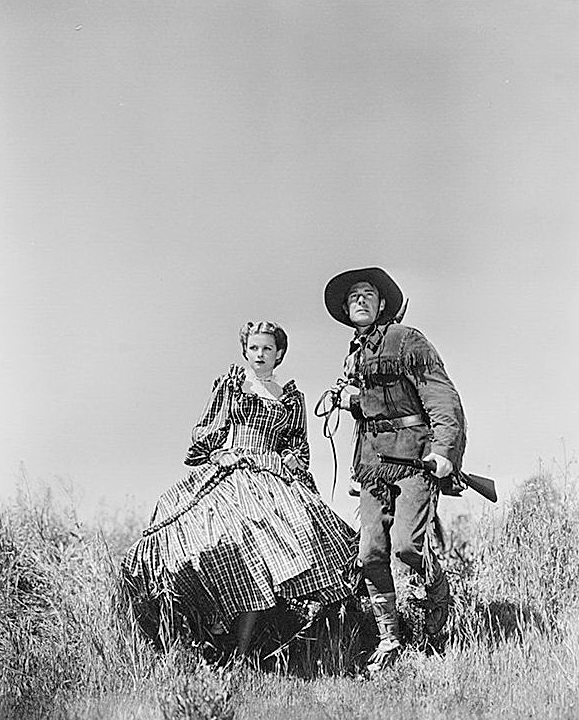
pixel 341 638
pixel 504 620
pixel 337 641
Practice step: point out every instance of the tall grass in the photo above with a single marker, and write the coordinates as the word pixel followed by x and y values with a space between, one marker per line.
pixel 70 648
pixel 521 575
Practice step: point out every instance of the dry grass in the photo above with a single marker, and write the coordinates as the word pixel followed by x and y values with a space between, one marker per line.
pixel 70 648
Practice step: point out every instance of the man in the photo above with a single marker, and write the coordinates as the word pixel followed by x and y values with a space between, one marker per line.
pixel 406 406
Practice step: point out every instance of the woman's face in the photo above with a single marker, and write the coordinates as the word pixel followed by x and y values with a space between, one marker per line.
pixel 262 353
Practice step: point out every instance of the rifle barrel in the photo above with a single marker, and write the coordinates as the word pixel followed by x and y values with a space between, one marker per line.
pixel 429 465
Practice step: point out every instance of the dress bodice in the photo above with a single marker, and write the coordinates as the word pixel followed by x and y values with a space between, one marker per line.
pixel 257 424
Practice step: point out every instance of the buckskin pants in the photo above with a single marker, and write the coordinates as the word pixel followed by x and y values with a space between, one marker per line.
pixel 406 535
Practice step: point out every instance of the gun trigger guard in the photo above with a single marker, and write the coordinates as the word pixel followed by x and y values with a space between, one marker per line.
pixel 451 485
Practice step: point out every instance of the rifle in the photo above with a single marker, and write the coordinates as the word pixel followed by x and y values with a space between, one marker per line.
pixel 454 483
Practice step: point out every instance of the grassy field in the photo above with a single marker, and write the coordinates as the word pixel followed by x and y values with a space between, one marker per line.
pixel 69 648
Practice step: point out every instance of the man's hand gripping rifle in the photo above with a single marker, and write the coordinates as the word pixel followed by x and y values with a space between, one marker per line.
pixel 452 484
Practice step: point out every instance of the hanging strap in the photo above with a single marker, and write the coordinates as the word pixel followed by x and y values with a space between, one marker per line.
pixel 328 407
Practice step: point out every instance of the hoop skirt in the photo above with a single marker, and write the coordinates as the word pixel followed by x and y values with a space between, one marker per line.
pixel 240 532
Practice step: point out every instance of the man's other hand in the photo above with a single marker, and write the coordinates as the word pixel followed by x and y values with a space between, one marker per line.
pixel 345 392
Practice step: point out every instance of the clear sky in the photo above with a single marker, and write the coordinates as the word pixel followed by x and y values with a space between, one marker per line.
pixel 170 169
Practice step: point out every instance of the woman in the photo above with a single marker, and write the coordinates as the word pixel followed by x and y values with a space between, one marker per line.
pixel 246 528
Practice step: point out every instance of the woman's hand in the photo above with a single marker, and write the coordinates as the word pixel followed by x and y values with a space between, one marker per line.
pixel 291 461
pixel 223 457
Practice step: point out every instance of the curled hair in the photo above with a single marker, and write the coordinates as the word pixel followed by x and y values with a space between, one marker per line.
pixel 268 328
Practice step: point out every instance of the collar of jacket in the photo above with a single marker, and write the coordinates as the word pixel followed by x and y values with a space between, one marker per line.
pixel 371 339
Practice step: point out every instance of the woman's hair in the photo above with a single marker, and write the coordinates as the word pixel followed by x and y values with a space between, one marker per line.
pixel 269 328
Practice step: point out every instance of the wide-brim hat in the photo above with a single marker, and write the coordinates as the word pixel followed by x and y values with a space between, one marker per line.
pixel 338 287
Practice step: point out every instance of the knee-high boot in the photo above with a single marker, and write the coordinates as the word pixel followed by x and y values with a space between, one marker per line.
pixel 386 616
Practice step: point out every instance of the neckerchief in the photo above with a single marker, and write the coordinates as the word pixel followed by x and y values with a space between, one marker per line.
pixel 355 362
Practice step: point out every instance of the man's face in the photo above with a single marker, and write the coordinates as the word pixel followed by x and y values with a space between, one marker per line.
pixel 363 304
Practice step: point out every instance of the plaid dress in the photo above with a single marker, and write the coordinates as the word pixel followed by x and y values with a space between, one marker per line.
pixel 241 531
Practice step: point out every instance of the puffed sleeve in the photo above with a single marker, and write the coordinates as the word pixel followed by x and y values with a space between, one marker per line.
pixel 295 435
pixel 439 398
pixel 210 431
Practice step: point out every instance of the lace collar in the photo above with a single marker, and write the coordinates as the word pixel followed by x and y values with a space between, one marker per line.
pixel 246 377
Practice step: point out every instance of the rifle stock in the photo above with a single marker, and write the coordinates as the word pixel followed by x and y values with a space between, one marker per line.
pixel 455 483
pixel 482 485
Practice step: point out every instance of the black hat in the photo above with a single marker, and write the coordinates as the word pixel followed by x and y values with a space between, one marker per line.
pixel 337 290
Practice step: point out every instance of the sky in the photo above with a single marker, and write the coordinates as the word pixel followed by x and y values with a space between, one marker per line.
pixel 170 170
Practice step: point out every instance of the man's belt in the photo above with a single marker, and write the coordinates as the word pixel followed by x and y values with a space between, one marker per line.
pixel 381 425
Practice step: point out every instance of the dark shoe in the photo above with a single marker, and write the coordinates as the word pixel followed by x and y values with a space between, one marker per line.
pixel 436 604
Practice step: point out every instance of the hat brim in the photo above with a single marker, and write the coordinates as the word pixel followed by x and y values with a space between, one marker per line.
pixel 338 287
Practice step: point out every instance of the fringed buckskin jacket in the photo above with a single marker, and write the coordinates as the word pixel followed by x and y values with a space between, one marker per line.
pixel 401 378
